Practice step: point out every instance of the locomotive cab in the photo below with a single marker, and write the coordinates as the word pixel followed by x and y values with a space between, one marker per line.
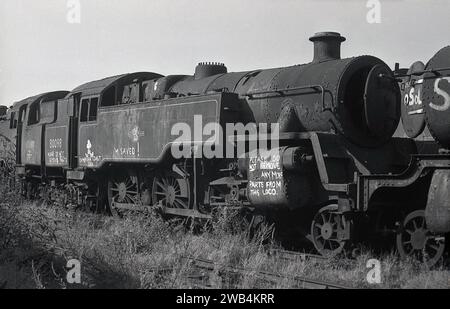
pixel 34 114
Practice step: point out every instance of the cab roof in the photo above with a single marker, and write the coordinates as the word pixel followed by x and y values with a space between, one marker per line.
pixel 46 96
pixel 99 86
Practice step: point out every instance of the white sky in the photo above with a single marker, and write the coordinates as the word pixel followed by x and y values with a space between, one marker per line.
pixel 40 51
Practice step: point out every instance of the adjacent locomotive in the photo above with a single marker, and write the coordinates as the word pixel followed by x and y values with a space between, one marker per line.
pixel 425 118
pixel 333 174
pixel 7 145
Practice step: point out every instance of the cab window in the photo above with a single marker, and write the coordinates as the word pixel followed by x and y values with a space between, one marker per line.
pixel 88 110
pixel 34 113
pixel 22 113
pixel 12 121
pixel 130 94
pixel 93 109
pixel 109 97
pixel 48 112
pixel 84 110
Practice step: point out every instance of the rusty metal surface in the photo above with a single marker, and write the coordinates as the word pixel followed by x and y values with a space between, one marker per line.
pixel 437 212
pixel 436 97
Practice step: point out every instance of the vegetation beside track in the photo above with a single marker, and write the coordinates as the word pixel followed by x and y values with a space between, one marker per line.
pixel 145 251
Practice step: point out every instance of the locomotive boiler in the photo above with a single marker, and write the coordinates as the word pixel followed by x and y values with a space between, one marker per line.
pixel 354 97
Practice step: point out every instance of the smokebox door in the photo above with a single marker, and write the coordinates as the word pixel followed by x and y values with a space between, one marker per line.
pixel 381 101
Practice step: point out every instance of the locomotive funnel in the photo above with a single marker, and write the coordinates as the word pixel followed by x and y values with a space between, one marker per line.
pixel 327 46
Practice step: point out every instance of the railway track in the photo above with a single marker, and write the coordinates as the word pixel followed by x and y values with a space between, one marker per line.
pixel 204 272
pixel 295 256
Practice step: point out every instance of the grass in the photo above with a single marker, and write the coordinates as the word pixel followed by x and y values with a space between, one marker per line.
pixel 144 251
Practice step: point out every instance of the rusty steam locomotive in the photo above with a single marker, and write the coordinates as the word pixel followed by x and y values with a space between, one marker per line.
pixel 335 174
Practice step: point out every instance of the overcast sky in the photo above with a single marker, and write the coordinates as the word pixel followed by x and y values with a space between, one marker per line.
pixel 41 51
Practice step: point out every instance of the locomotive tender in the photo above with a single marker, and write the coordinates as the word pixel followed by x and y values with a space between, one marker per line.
pixel 336 176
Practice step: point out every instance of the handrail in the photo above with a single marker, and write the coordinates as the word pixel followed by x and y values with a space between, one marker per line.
pixel 284 90
pixel 419 73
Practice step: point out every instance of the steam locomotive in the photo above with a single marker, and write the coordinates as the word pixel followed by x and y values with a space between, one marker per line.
pixel 333 173
pixel 426 99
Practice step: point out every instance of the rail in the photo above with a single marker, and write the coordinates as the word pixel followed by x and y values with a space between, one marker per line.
pixel 206 268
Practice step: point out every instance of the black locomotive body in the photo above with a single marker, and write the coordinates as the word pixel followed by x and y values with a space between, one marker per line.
pixel 7 144
pixel 330 170
pixel 425 118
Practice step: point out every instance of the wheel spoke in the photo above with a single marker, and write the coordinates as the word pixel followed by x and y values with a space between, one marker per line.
pixel 409 231
pixel 162 185
pixel 330 217
pixel 410 250
pixel 423 225
pixel 181 196
pixel 435 248
pixel 182 204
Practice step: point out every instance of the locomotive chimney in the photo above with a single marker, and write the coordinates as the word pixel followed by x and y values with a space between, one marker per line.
pixel 327 46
